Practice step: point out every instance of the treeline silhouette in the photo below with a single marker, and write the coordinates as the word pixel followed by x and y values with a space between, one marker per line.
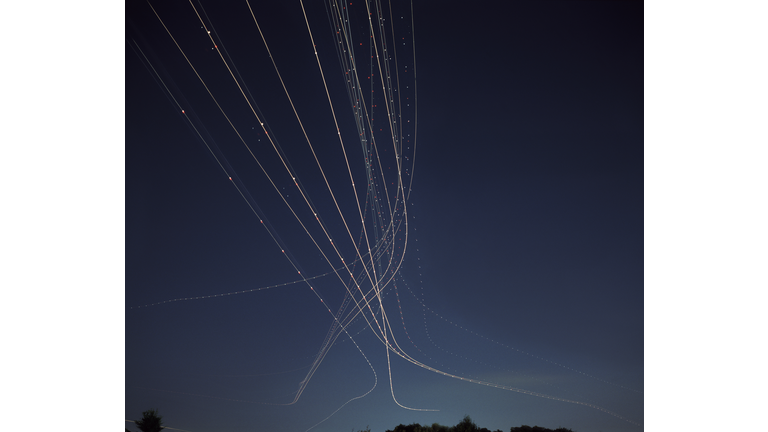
pixel 152 421
pixel 466 425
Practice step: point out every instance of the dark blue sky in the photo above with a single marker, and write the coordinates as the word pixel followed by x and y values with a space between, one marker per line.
pixel 523 266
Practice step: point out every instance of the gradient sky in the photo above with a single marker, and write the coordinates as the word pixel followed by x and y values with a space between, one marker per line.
pixel 524 261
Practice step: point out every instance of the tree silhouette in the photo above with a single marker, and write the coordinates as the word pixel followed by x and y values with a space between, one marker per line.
pixel 465 425
pixel 436 427
pixel 151 422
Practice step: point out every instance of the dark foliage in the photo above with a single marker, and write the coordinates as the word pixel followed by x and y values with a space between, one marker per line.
pixel 415 427
pixel 151 422
pixel 467 425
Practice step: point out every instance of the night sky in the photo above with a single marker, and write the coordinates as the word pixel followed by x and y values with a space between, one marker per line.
pixel 507 256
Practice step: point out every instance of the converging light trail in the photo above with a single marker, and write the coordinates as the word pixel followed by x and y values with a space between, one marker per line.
pixel 345 232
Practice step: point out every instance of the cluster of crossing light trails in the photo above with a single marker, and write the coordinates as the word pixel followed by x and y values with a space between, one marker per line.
pixel 352 212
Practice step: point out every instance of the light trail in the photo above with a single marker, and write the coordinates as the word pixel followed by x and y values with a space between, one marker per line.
pixel 283 248
pixel 386 238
